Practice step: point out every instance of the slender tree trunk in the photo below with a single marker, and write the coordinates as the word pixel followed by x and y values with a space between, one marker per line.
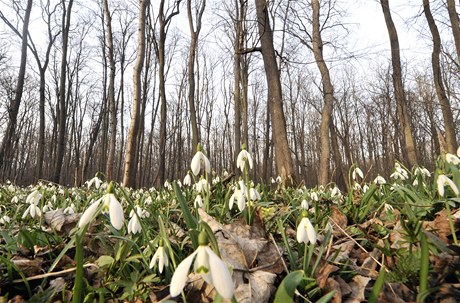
pixel 111 93
pixel 401 103
pixel 61 140
pixel 328 96
pixel 16 102
pixel 194 32
pixel 438 82
pixel 453 16
pixel 129 175
pixel 283 157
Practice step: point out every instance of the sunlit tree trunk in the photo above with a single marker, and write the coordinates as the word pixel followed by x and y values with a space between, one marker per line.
pixel 446 109
pixel 129 175
pixel 283 157
pixel 401 102
pixel 453 16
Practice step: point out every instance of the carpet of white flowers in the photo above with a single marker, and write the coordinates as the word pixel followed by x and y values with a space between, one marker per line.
pixel 222 238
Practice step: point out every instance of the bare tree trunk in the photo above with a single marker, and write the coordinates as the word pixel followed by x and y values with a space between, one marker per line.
pixel 328 96
pixel 16 102
pixel 194 32
pixel 129 174
pixel 111 93
pixel 453 16
pixel 61 140
pixel 440 91
pixel 401 103
pixel 282 152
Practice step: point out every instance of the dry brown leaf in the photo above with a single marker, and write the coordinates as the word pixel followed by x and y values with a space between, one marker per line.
pixel 340 219
pixel 333 285
pixel 322 274
pixel 28 267
pixel 259 288
pixel 358 287
pixel 58 220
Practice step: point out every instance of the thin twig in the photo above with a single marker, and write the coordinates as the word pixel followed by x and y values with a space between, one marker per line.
pixel 52 274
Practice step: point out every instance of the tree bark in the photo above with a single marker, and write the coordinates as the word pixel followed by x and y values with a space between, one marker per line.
pixel 283 157
pixel 328 96
pixel 453 16
pixel 13 109
pixel 446 109
pixel 111 93
pixel 61 140
pixel 129 174
pixel 401 102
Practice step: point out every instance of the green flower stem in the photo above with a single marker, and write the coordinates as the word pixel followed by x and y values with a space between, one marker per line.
pixel 451 223
pixel 78 288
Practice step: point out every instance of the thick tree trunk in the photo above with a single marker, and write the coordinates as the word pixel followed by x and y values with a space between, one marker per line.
pixel 282 152
pixel 129 175
pixel 401 103
pixel 453 16
pixel 16 102
pixel 438 82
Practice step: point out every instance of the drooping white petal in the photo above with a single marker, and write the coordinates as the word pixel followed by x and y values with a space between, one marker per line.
pixel 180 276
pixel 207 164
pixel 301 234
pixel 304 204
pixel 231 201
pixel 88 214
pixel 221 277
pixel 155 257
pixel 201 265
pixel 198 203
pixel 162 259
pixel 452 159
pixel 311 233
pixel 116 212
pixel 442 181
pixel 187 180
pixel 26 212
pixel 241 200
pixel 196 164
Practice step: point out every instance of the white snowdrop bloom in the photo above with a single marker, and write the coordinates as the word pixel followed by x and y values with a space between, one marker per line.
pixel 398 175
pixel 306 232
pixel 199 161
pixel 304 204
pixel 335 192
pixel 187 180
pixel 415 183
pixel 216 180
pixel 94 181
pixel 458 151
pixel 202 186
pixel 357 172
pixel 356 186
pixel 70 210
pixel 15 200
pixel 278 179
pixel 209 266
pixel 110 204
pixel 34 197
pixel 225 174
pixel 442 181
pixel 272 180
pixel 134 225
pixel 388 207
pixel 243 158
pixel 148 200
pixel 198 203
pixel 452 159
pixel 380 180
pixel 365 188
pixel 161 257
pixel 242 186
pixel 167 185
pixel 314 196
pixel 254 194
pixel 5 220
pixel 33 210
pixel 48 207
pixel 239 196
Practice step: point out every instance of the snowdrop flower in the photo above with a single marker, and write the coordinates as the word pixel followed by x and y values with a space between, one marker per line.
pixel 70 210
pixel 187 180
pixel 161 257
pixel 48 207
pixel 15 200
pixel 380 180
pixel 254 194
pixel 225 174
pixel 202 186
pixel 278 179
pixel 272 180
pixel 110 204
pixel 422 171
pixel 216 180
pixel 365 188
pixel 198 160
pixel 94 181
pixel 304 204
pixel 442 181
pixel 305 231
pixel 240 200
pixel 314 196
pixel 335 191
pixel 356 186
pixel 34 197
pixel 5 219
pixel 209 266
pixel 357 172
pixel 458 151
pixel 452 159
pixel 198 203
pixel 167 185
pixel 415 183
pixel 243 158
pixel 134 225
pixel 388 207
pixel 399 173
